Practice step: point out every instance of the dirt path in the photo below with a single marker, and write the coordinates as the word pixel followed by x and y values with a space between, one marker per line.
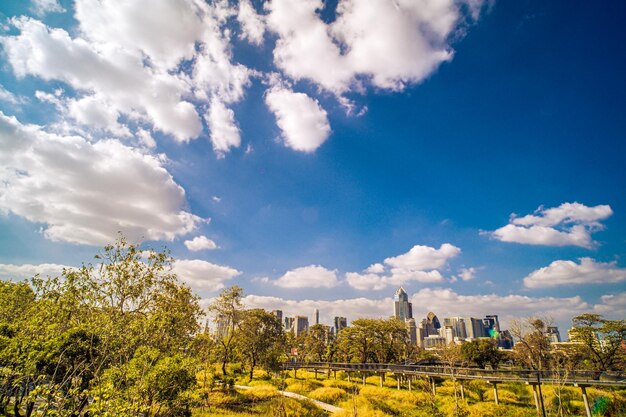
pixel 324 406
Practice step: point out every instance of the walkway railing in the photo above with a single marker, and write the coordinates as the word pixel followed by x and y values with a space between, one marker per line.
pixel 431 373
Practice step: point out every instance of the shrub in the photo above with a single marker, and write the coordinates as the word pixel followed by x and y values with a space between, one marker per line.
pixel 328 394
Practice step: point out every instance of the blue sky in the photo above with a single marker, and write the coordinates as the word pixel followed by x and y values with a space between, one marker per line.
pixel 323 154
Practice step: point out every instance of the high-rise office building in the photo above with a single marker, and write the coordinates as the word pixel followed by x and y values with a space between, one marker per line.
pixel 411 328
pixel 475 328
pixel 340 323
pixel 317 316
pixel 553 334
pixel 492 325
pixel 289 324
pixel 279 315
pixel 458 325
pixel 431 324
pixel 300 325
pixel 403 309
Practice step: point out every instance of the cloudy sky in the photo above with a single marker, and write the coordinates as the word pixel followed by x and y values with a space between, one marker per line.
pixel 322 153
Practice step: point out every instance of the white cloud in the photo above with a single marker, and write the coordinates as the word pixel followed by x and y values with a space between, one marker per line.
pixel 588 271
pixel 312 276
pixel 96 113
pixel 424 257
pixel 27 271
pixel 200 243
pixel 85 192
pixel 305 48
pixel 413 36
pixel 203 275
pixel 223 128
pixel 568 224
pixel 9 97
pixel 445 302
pixel 252 25
pixel 419 264
pixel 166 33
pixel 350 308
pixel 466 274
pixel 41 7
pixel 112 73
pixel 303 122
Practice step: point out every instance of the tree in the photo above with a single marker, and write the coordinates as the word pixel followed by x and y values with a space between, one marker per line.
pixel 482 352
pixel 316 343
pixel 602 340
pixel 377 340
pixel 259 339
pixel 227 310
pixel 532 347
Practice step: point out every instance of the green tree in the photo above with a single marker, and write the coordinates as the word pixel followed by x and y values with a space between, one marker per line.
pixel 227 310
pixel 259 339
pixel 602 340
pixel 532 347
pixel 482 352
pixel 316 343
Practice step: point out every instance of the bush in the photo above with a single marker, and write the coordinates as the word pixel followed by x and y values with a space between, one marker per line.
pixel 328 394
pixel 261 392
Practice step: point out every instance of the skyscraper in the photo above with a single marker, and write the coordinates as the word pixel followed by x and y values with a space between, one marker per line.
pixel 340 323
pixel 300 325
pixel 317 316
pixel 402 308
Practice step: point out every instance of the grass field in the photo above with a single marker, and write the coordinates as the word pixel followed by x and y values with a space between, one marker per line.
pixel 515 399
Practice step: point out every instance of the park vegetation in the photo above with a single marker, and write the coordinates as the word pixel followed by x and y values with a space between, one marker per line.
pixel 123 336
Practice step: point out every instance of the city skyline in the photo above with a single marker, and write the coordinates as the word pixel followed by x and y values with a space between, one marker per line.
pixel 470 152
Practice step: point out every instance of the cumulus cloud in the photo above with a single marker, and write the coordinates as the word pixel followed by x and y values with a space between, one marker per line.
pixel 570 224
pixel 200 243
pixel 466 274
pixel 114 73
pixel 85 192
pixel 445 302
pixel 223 128
pixel 8 97
pixel 252 25
pixel 42 7
pixel 303 122
pixel 202 275
pixel 26 271
pixel 413 36
pixel 588 271
pixel 312 276
pixel 419 264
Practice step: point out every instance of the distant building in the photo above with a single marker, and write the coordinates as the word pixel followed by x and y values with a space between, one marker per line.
pixel 288 323
pixel 317 316
pixel 458 325
pixel 300 325
pixel 340 323
pixel 278 314
pixel 411 329
pixel 475 328
pixel 403 309
pixel 431 324
pixel 553 334
pixel 434 342
pixel 505 340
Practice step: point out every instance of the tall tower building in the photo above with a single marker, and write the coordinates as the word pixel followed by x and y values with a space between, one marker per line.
pixel 300 325
pixel 317 316
pixel 553 334
pixel 402 308
pixel 340 323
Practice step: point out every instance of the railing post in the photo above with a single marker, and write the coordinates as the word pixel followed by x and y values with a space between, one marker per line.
pixel 382 379
pixel 398 377
pixel 410 380
pixel 295 373
pixel 363 378
pixel 348 376
pixel 535 396
pixel 583 390
pixel 495 392
pixel 462 389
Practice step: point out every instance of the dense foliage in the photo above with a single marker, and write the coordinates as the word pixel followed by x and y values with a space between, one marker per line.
pixel 123 337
